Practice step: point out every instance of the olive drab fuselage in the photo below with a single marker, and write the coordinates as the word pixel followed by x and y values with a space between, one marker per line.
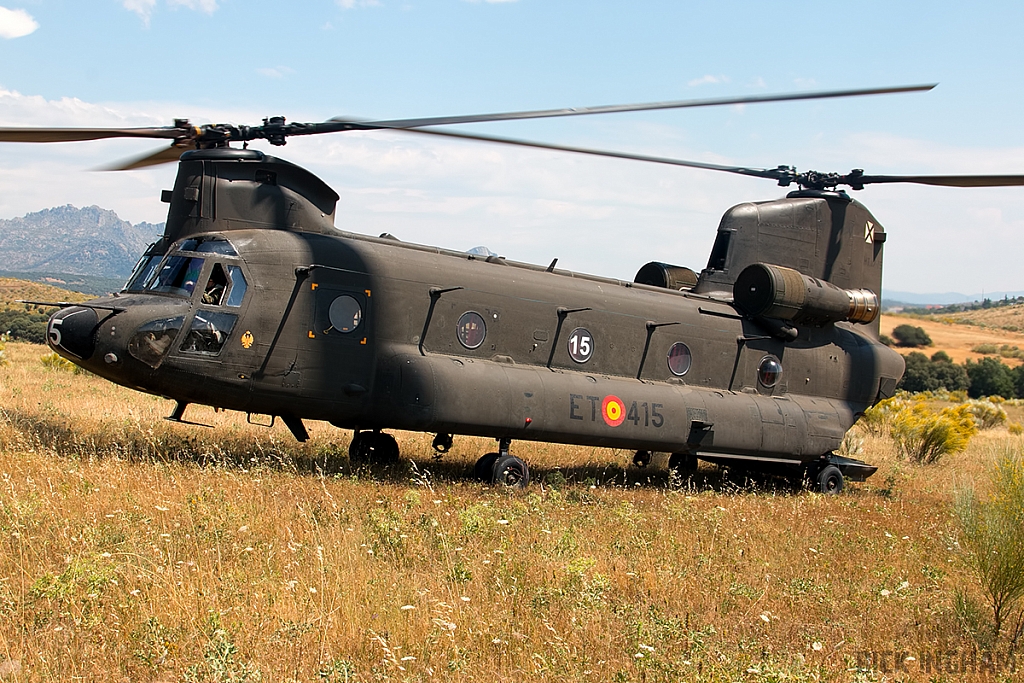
pixel 253 301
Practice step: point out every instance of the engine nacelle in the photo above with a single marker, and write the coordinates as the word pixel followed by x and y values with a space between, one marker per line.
pixel 765 290
pixel 666 275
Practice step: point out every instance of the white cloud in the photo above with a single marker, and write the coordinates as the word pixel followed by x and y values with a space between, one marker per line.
pixel 208 6
pixel 144 8
pixel 15 23
pixel 708 79
pixel 275 71
pixel 352 4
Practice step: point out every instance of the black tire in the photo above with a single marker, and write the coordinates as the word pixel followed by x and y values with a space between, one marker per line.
pixel 484 466
pixel 510 471
pixel 684 464
pixel 359 449
pixel 373 447
pixel 385 448
pixel 829 481
pixel 642 459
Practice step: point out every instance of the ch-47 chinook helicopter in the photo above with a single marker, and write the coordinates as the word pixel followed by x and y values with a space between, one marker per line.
pixel 253 301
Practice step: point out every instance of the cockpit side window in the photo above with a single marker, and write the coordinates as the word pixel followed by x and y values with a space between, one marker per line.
pixel 213 293
pixel 238 286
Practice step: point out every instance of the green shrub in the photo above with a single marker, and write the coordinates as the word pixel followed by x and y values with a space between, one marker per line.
pixel 925 436
pixel 4 338
pixel 993 535
pixel 908 335
pixel 986 349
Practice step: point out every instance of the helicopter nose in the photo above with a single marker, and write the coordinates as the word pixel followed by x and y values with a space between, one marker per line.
pixel 73 331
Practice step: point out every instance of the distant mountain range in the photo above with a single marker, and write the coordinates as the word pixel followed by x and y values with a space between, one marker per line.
pixel 92 250
pixel 892 298
pixel 89 249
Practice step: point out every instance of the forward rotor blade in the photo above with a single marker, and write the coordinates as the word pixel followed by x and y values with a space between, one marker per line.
pixel 614 108
pixel 741 170
pixel 948 180
pixel 79 134
pixel 164 155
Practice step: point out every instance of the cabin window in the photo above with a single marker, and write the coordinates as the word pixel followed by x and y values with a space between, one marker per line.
pixel 345 314
pixel 581 345
pixel 769 371
pixel 471 330
pixel 679 359
pixel 208 332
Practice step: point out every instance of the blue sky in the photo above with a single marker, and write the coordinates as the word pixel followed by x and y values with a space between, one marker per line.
pixel 145 62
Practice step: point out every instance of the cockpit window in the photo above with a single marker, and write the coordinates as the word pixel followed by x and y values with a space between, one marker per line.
pixel 238 286
pixel 178 275
pixel 208 245
pixel 208 332
pixel 143 273
pixel 213 293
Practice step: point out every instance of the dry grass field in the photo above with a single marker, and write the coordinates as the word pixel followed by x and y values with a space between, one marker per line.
pixel 955 336
pixel 1009 318
pixel 132 549
pixel 12 290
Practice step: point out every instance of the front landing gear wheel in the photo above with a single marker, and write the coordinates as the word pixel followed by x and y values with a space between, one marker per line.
pixel 642 459
pixel 829 481
pixel 510 471
pixel 484 466
pixel 373 447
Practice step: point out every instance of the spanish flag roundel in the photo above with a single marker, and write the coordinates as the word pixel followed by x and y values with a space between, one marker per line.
pixel 613 410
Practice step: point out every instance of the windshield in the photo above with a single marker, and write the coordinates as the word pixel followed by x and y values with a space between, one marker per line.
pixel 143 273
pixel 178 275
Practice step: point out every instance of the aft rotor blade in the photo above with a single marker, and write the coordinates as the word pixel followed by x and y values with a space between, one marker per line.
pixel 164 155
pixel 79 134
pixel 615 108
pixel 948 180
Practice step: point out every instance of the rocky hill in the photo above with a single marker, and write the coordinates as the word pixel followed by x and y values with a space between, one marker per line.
pixel 67 240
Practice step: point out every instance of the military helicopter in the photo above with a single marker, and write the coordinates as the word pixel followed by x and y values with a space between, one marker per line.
pixel 253 301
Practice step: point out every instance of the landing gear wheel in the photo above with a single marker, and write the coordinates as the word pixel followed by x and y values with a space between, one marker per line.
pixel 642 459
pixel 829 481
pixel 373 447
pixel 510 471
pixel 684 464
pixel 484 466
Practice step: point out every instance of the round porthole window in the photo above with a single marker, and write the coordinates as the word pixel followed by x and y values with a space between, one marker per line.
pixel 345 314
pixel 769 371
pixel 679 359
pixel 581 345
pixel 471 330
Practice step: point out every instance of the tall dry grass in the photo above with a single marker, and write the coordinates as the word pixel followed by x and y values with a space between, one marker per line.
pixel 134 549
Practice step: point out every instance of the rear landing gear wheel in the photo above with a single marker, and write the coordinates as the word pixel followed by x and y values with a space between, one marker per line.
pixel 829 481
pixel 511 472
pixel 683 464
pixel 373 447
